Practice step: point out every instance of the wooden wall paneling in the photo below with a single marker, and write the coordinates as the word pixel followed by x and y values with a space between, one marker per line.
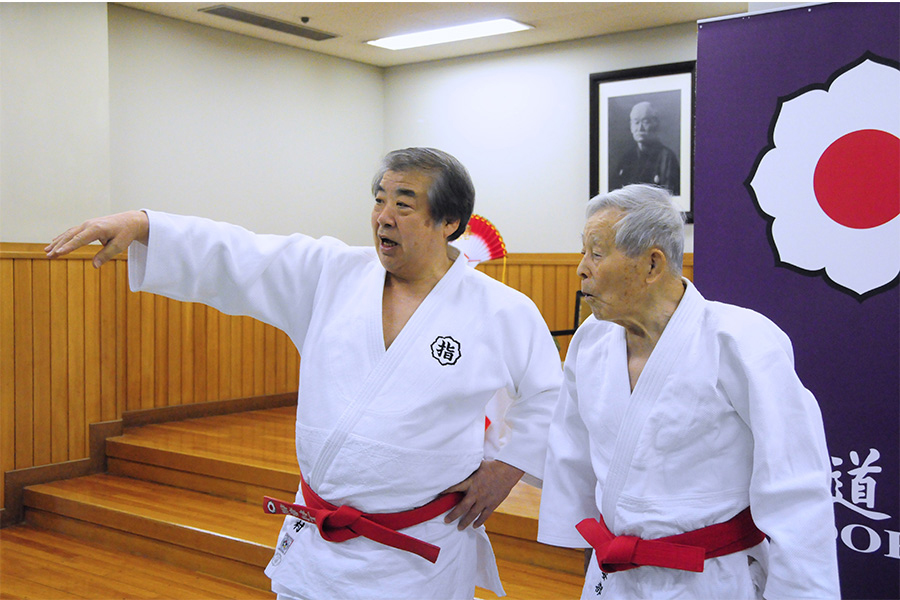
pixel 7 371
pixel 134 333
pixel 548 298
pixel 235 369
pixel 269 355
pixel 200 353
pixel 77 425
pixel 293 365
pixel 565 299
pixel 537 285
pixel 122 339
pixel 224 356
pixel 160 352
pixel 280 361
pixel 247 357
pixel 108 339
pixel 186 310
pixel 212 359
pixel 148 349
pixel 59 362
pixel 24 340
pixel 513 276
pixel 92 351
pixel 43 429
pixel 171 393
pixel 259 367
pixel 525 280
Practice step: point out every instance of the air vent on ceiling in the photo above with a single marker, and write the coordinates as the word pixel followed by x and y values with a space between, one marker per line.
pixel 229 12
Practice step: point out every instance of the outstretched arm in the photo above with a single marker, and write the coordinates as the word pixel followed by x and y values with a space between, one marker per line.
pixel 484 490
pixel 115 233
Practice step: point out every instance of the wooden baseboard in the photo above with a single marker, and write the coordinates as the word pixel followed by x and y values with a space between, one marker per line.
pixel 16 482
pixel 182 412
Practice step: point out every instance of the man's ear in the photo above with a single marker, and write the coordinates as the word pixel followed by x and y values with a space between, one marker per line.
pixel 656 264
pixel 450 227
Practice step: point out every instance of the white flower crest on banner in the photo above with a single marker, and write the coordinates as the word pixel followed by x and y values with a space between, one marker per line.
pixel 831 181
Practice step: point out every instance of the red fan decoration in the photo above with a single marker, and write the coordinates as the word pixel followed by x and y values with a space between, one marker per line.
pixel 481 241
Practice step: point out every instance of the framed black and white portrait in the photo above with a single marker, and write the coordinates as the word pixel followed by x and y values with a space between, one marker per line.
pixel 642 130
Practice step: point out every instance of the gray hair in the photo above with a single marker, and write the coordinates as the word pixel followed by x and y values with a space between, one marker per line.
pixel 651 220
pixel 452 194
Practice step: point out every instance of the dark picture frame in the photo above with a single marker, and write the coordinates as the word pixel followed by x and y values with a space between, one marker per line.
pixel 662 98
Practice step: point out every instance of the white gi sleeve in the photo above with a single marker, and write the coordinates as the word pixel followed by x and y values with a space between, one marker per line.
pixel 568 495
pixel 267 277
pixel 534 367
pixel 790 485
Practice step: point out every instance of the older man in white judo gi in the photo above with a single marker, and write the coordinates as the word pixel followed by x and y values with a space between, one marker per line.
pixel 402 349
pixel 684 449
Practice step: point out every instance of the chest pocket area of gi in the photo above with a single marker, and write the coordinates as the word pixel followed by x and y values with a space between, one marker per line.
pixel 345 355
pixel 683 418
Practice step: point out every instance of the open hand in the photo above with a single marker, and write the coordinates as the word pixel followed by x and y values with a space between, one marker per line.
pixel 115 233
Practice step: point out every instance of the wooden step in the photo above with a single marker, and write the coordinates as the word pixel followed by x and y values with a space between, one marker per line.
pixel 242 456
pixel 37 563
pixel 218 536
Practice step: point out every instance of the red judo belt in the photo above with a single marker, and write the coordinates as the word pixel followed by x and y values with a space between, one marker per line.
pixel 685 551
pixel 341 523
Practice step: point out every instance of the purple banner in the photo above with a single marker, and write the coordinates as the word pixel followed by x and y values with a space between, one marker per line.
pixel 797 216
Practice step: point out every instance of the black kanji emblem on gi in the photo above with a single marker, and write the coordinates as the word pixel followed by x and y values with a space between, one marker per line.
pixel 598 589
pixel 298 525
pixel 445 350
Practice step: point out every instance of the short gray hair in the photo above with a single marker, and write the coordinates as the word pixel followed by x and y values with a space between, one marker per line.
pixel 452 193
pixel 651 220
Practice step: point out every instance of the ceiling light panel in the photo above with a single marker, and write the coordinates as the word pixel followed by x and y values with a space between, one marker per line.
pixel 450 34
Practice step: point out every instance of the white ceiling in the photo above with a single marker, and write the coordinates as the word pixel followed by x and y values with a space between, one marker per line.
pixel 358 22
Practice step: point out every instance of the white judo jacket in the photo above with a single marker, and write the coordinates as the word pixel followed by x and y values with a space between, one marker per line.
pixel 379 430
pixel 717 422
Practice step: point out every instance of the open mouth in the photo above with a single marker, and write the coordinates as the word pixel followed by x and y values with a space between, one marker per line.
pixel 387 243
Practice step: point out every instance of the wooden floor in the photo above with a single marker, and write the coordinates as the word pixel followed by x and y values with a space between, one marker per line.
pixel 44 565
pixel 149 527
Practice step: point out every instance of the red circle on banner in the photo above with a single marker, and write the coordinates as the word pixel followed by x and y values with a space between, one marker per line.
pixel 857 179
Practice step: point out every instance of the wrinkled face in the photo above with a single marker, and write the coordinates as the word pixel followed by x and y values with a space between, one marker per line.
pixel 407 240
pixel 612 283
pixel 644 123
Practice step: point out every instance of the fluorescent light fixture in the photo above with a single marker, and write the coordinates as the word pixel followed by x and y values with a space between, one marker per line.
pixel 450 34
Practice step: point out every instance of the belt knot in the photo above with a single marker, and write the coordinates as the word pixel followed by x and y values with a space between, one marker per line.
pixel 621 549
pixel 685 551
pixel 343 517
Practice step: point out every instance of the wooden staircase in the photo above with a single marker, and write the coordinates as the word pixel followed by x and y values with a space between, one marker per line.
pixel 190 493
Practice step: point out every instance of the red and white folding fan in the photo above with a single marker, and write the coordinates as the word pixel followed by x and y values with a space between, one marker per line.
pixel 481 241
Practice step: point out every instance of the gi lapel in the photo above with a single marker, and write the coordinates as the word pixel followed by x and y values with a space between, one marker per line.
pixel 662 361
pixel 384 367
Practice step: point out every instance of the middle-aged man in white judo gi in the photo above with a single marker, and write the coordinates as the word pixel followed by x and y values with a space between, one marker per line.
pixel 401 353
pixel 684 449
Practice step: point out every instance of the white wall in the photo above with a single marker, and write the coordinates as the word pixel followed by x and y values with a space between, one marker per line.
pixel 54 118
pixel 211 123
pixel 137 110
pixel 519 121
